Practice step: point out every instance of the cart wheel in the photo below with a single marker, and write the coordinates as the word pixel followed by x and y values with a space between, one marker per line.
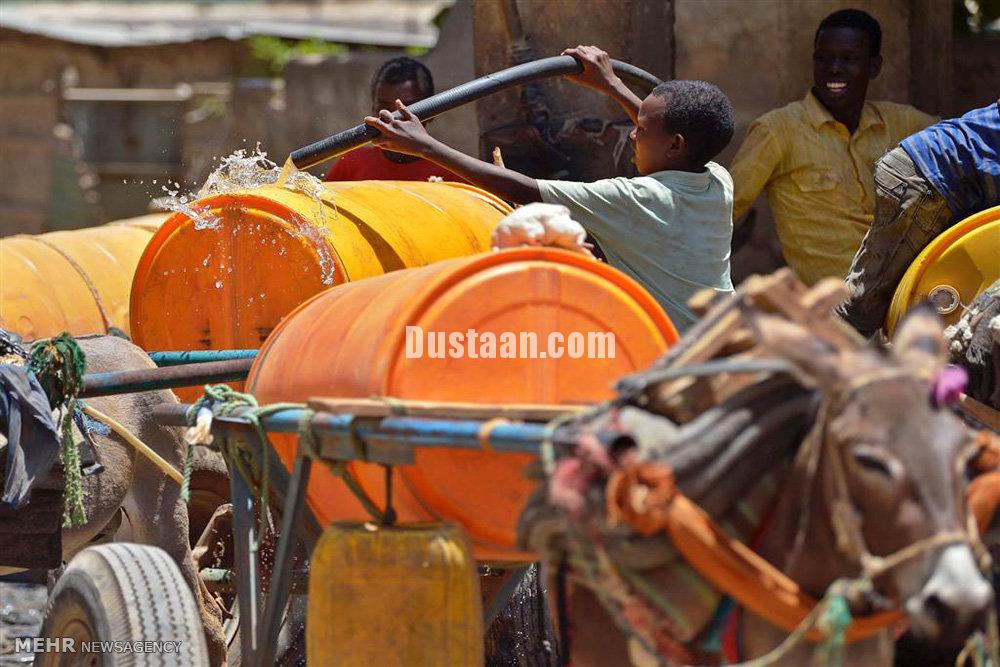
pixel 209 490
pixel 126 593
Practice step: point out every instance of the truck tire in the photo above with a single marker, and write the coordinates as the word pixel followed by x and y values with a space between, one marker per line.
pixel 124 593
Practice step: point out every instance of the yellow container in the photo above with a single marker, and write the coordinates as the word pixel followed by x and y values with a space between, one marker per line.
pixel 952 270
pixel 228 284
pixel 76 281
pixel 391 596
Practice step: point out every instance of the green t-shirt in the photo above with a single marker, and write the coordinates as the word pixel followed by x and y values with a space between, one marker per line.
pixel 671 230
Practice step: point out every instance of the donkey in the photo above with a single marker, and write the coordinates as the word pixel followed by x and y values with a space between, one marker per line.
pixel 883 474
pixel 131 499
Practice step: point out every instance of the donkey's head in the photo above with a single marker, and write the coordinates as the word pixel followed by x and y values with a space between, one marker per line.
pixel 887 469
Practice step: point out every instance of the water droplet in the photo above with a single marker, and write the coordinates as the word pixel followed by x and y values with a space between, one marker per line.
pixel 218 284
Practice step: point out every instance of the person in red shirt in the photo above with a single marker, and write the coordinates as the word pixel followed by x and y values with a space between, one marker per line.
pixel 403 79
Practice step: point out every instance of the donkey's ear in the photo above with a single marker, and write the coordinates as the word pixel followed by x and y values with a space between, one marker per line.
pixel 919 341
pixel 815 362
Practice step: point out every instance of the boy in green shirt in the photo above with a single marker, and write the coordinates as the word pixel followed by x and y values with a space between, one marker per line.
pixel 669 228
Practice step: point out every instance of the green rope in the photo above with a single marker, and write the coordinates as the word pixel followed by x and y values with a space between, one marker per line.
pixel 222 400
pixel 396 406
pixel 74 513
pixel 338 468
pixel 834 621
pixel 59 364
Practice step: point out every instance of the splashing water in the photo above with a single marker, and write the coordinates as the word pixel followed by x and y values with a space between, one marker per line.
pixel 305 183
pixel 243 170
pixel 318 236
pixel 249 169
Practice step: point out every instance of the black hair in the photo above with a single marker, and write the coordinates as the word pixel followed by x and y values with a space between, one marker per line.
pixel 699 111
pixel 401 69
pixel 856 20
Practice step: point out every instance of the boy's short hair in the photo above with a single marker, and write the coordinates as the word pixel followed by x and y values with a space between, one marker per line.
pixel 699 111
pixel 401 69
pixel 856 20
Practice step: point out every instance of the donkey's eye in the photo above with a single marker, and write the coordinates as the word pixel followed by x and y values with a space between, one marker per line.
pixel 873 460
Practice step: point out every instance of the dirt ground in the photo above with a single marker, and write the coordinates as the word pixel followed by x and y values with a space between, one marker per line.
pixel 21 610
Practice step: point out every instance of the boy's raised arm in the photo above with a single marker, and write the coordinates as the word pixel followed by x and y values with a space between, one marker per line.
pixel 407 135
pixel 597 74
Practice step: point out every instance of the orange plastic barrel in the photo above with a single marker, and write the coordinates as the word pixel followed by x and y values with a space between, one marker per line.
pixel 76 281
pixel 350 342
pixel 226 284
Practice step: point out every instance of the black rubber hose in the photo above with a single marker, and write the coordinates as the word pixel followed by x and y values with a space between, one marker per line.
pixel 342 142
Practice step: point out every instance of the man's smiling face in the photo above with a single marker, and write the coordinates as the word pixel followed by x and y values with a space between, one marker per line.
pixel 842 68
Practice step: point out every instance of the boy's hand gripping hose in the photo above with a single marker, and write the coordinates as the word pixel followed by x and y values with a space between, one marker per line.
pixel 348 140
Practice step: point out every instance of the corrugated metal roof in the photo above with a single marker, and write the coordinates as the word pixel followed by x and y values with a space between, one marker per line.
pixel 396 23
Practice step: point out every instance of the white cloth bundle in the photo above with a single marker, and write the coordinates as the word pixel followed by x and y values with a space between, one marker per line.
pixel 540 225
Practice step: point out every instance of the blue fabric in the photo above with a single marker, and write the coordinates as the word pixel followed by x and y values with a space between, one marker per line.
pixel 32 440
pixel 960 157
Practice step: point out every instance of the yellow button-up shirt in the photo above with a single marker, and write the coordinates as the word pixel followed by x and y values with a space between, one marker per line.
pixel 819 178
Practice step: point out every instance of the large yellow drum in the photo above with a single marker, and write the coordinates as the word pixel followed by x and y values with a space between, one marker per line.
pixel 76 281
pixel 952 270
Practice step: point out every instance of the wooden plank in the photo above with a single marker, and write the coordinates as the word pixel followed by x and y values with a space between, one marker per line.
pixel 371 407
pixel 981 412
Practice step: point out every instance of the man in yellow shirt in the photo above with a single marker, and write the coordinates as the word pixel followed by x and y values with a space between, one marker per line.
pixel 816 157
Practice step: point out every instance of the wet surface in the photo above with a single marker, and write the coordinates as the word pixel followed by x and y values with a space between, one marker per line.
pixel 22 607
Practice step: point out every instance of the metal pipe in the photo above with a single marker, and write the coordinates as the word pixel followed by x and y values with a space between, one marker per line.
pixel 199 356
pixel 413 431
pixel 357 136
pixel 188 375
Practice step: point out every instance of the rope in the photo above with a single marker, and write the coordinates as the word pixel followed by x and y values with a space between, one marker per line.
pixel 396 406
pixel 59 364
pixel 832 616
pixel 546 449
pixel 222 400
pixel 338 468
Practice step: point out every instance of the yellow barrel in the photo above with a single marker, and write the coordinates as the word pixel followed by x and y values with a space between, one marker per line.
pixel 226 278
pixel 394 596
pixel 952 270
pixel 76 281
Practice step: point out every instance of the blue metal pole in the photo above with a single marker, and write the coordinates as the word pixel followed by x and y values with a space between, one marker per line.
pixel 414 431
pixel 199 356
